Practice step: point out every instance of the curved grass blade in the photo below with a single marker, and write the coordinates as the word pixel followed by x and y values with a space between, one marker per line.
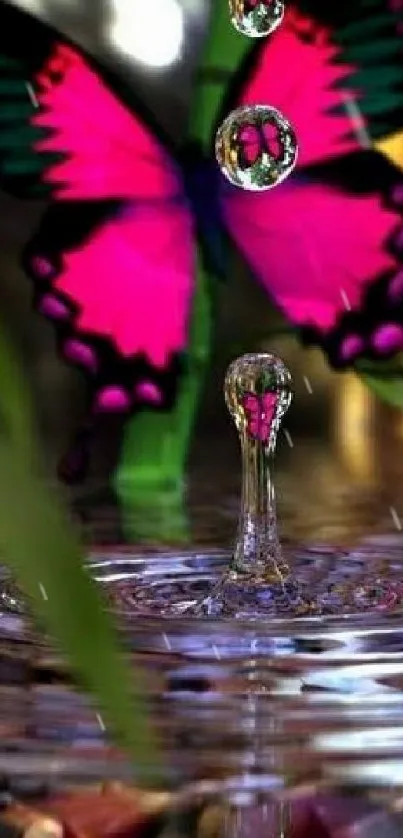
pixel 15 404
pixel 43 553
pixel 222 54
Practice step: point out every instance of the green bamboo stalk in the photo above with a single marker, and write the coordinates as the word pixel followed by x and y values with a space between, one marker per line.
pixel 223 50
pixel 155 446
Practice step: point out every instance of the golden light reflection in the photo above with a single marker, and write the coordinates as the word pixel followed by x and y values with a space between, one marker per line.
pixel 392 148
pixel 354 427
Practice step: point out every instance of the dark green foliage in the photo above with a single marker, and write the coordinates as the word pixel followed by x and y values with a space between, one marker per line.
pixel 369 36
pixel 385 379
pixel 21 166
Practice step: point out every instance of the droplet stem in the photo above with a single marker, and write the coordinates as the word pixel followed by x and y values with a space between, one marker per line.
pixel 258 393
pixel 257 550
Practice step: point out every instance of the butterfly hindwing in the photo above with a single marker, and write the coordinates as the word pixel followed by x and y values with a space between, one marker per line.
pixel 127 329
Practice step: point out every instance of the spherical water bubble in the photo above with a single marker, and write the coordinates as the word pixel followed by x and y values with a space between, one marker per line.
pixel 256 18
pixel 256 147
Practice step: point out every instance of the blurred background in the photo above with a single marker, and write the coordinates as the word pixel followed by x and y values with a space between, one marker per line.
pixel 339 469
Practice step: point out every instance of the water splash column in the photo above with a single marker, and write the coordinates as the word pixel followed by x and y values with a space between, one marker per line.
pixel 258 392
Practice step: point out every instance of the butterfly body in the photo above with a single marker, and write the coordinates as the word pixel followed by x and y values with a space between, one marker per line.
pixel 203 186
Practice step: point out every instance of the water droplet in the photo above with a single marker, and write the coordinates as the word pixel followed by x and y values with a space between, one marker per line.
pixel 43 591
pixel 256 18
pixel 289 438
pixel 256 147
pixel 308 385
pixel 101 722
pixel 395 517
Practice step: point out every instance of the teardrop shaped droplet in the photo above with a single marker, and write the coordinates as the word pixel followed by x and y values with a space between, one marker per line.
pixel 256 18
pixel 256 147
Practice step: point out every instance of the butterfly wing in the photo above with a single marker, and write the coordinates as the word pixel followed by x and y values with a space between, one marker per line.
pixel 259 411
pixel 325 244
pixel 250 404
pixel 112 260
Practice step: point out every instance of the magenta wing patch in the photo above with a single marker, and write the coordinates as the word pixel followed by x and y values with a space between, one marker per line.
pixel 105 150
pixel 304 80
pixel 260 412
pixel 318 251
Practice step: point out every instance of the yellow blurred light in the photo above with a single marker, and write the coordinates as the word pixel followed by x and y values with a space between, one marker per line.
pixel 392 148
pixel 354 427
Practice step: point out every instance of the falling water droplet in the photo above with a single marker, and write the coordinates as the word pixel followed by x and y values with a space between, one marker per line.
pixel 256 18
pixel 43 591
pixel 308 385
pixel 256 147
pixel 395 517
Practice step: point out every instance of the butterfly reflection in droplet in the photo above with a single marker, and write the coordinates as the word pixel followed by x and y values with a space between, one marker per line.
pixel 259 412
pixel 256 18
pixel 256 147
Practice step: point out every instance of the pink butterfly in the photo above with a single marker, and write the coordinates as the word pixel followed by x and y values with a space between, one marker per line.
pixel 113 261
pixel 253 140
pixel 260 412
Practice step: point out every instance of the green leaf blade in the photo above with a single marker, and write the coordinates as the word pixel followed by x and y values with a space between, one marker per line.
pixel 385 379
pixel 45 557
